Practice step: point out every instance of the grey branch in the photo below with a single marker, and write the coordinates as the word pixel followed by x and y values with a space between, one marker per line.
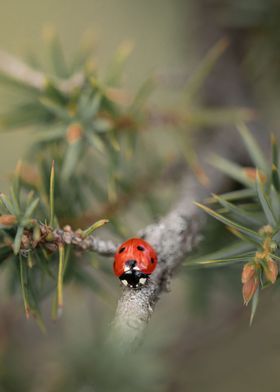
pixel 91 243
pixel 51 238
pixel 173 237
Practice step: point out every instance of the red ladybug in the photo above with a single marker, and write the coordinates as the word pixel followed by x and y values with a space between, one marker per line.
pixel 135 260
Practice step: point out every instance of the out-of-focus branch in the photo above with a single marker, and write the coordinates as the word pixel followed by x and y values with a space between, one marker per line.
pixel 21 72
pixel 142 187
pixel 18 70
pixel 199 117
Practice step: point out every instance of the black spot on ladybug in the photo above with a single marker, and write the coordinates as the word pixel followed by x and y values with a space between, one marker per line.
pixel 152 260
pixel 139 247
pixel 122 249
pixel 131 263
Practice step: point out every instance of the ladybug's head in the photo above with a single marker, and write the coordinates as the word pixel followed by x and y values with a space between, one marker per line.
pixel 132 276
pixel 134 261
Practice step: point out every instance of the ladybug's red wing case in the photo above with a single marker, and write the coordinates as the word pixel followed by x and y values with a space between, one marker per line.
pixel 134 261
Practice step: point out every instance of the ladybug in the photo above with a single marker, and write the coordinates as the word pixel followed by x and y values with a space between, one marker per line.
pixel 135 260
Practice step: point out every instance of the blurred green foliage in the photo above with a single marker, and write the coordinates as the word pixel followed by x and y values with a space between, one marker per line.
pixel 252 214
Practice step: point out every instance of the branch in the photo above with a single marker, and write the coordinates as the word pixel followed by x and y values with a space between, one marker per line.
pixel 91 243
pixel 21 72
pixel 51 238
pixel 173 237
pixel 18 70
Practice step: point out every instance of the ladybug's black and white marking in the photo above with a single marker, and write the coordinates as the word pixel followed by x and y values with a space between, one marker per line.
pixel 132 276
pixel 134 261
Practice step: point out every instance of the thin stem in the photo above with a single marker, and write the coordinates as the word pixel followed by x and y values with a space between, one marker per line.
pixel 60 276
pixel 23 287
pixel 52 196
